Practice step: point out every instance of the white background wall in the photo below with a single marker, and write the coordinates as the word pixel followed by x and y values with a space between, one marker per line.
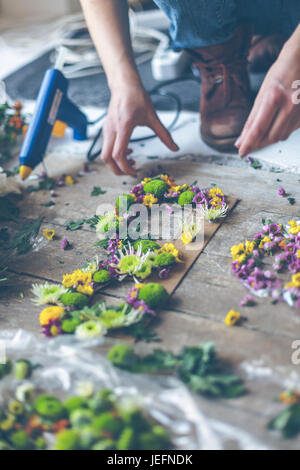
pixel 37 8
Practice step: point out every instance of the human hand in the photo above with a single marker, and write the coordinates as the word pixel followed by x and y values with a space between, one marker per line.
pixel 276 111
pixel 130 106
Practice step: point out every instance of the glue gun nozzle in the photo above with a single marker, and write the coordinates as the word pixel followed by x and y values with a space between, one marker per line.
pixel 24 171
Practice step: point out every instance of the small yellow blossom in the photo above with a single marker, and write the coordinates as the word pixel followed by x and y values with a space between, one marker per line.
pixel 140 285
pixel 85 289
pixel 292 223
pixel 289 397
pixel 298 253
pixel 49 233
pixel 215 191
pixel 239 252
pixel 232 318
pixel 69 180
pixel 295 230
pixel 69 280
pixel 149 199
pixel 50 313
pixel 186 238
pixel 295 281
pixel 266 239
pixel 146 180
pixel 170 248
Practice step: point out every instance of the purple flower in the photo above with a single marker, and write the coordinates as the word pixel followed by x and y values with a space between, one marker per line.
pixel 281 192
pixel 200 198
pixel 53 193
pixel 140 304
pixel 132 296
pixel 247 301
pixel 65 244
pixel 52 329
pixel 164 273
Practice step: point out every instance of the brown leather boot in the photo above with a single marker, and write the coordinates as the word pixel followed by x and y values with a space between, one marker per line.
pixel 264 51
pixel 225 91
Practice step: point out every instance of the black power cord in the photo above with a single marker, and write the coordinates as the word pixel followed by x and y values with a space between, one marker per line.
pixel 156 91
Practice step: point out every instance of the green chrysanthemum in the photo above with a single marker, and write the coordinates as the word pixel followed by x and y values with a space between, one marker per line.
pixel 112 318
pixel 146 245
pixel 90 329
pixel 47 293
pixel 156 187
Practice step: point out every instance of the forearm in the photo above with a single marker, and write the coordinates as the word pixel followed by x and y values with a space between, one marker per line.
pixel 292 46
pixel 109 27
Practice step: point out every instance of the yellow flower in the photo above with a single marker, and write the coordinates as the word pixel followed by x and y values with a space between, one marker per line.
pixel 289 397
pixel 85 289
pixel 50 313
pixel 264 240
pixel 140 285
pixel 295 230
pixel 186 238
pixel 149 199
pixel 70 280
pixel 215 191
pixel 146 180
pixel 69 180
pixel 295 281
pixel 292 223
pixel 170 248
pixel 232 318
pixel 49 233
pixel 298 253
pixel 241 251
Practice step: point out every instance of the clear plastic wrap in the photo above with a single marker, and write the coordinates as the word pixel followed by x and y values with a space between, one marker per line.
pixel 66 365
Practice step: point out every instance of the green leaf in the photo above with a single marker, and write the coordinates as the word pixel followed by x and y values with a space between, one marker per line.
pixel 97 191
pixel 44 184
pixel 48 204
pixel 291 200
pixel 74 224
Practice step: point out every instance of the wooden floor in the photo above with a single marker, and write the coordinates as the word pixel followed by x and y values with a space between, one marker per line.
pixel 198 307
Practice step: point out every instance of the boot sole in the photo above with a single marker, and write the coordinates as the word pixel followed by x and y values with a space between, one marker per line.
pixel 222 145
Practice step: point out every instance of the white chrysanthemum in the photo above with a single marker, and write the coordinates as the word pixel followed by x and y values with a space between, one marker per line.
pixel 133 262
pixel 47 293
pixel 91 267
pixel 25 392
pixel 213 214
pixel 90 329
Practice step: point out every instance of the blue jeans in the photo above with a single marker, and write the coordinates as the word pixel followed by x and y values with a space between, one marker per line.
pixel 200 23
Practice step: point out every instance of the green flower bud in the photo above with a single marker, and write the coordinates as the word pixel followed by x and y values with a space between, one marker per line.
pixel 69 325
pixel 19 440
pixel 186 198
pixel 49 407
pixel 74 299
pixel 74 403
pixel 81 417
pixel 165 259
pixel 121 355
pixel 101 276
pixel 124 202
pixel 108 423
pixel 155 295
pixel 68 440
pixel 40 443
pixel 156 187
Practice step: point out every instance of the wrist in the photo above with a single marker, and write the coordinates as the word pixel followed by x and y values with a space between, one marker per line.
pixel 126 78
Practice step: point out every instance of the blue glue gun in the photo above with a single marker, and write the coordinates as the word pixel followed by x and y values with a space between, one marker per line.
pixel 53 107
